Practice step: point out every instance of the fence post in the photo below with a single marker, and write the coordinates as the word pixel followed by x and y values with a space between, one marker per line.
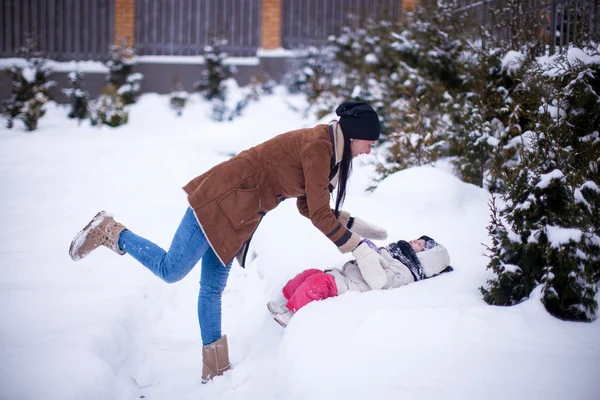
pixel 125 21
pixel 552 27
pixel 270 28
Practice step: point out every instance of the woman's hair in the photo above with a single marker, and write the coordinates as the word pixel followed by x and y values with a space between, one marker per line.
pixel 345 171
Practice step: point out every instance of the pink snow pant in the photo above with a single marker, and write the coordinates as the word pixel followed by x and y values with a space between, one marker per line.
pixel 308 286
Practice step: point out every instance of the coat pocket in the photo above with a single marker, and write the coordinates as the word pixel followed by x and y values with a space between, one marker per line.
pixel 241 207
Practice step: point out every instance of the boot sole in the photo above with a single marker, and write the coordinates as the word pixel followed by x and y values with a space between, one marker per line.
pixel 283 324
pixel 81 232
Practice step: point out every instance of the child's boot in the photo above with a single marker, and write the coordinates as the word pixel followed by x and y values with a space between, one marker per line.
pixel 283 319
pixel 276 308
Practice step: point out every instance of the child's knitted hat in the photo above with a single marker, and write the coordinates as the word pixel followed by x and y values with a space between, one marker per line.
pixel 429 242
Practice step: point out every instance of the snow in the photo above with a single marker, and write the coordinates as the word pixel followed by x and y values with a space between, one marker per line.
pixel 558 236
pixel 512 61
pixel 590 185
pixel 579 198
pixel 511 268
pixel 195 60
pixel 56 66
pixel 546 179
pixel 29 74
pixel 277 53
pixel 371 59
pixel 105 328
pixel 492 141
pixel 574 56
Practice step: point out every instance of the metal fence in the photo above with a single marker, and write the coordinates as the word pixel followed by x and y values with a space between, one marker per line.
pixel 556 22
pixel 63 29
pixel 310 22
pixel 184 27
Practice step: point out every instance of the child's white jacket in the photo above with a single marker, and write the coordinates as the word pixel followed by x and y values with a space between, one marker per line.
pixel 350 278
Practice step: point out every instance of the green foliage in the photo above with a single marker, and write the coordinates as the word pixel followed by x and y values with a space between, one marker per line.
pixel 549 226
pixel 411 71
pixel 502 103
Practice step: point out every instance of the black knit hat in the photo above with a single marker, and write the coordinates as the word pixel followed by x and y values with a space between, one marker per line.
pixel 429 242
pixel 358 120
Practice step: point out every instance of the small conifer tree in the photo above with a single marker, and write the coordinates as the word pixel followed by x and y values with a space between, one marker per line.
pixel 426 76
pixel 548 233
pixel 30 86
pixel 178 97
pixel 211 82
pixel 261 84
pixel 78 96
pixel 121 65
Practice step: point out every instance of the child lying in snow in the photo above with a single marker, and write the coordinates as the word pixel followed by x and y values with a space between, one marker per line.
pixel 408 262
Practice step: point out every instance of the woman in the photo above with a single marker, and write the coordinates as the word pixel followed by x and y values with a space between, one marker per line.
pixel 409 262
pixel 228 201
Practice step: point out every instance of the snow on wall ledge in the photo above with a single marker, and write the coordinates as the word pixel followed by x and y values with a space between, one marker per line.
pixel 195 60
pixel 88 67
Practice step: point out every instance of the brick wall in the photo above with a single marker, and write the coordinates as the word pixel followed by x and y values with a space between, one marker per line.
pixel 270 32
pixel 408 5
pixel 125 21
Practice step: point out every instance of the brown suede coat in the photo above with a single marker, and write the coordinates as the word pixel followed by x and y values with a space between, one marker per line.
pixel 230 199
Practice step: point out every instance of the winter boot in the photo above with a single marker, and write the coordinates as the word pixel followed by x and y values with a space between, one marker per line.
pixel 283 319
pixel 102 230
pixel 215 359
pixel 276 308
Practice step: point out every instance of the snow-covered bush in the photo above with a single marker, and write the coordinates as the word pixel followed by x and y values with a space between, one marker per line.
pixel 109 108
pixel 547 232
pixel 314 74
pixel 235 100
pixel 218 110
pixel 33 110
pixel 30 86
pixel 178 97
pixel 78 96
pixel 121 65
pixel 516 25
pixel 493 115
pixel 418 77
pixel 261 84
pixel 215 72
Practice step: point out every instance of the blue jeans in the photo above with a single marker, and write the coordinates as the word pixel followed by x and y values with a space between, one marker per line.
pixel 189 245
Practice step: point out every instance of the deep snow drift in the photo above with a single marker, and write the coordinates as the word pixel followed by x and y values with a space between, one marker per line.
pixel 105 328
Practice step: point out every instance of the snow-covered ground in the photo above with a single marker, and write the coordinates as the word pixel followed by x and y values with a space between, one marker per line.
pixel 106 328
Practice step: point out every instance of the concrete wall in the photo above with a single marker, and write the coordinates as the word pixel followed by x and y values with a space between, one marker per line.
pixel 158 77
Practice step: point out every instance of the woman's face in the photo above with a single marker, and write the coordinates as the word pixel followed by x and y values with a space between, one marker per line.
pixel 417 245
pixel 359 146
